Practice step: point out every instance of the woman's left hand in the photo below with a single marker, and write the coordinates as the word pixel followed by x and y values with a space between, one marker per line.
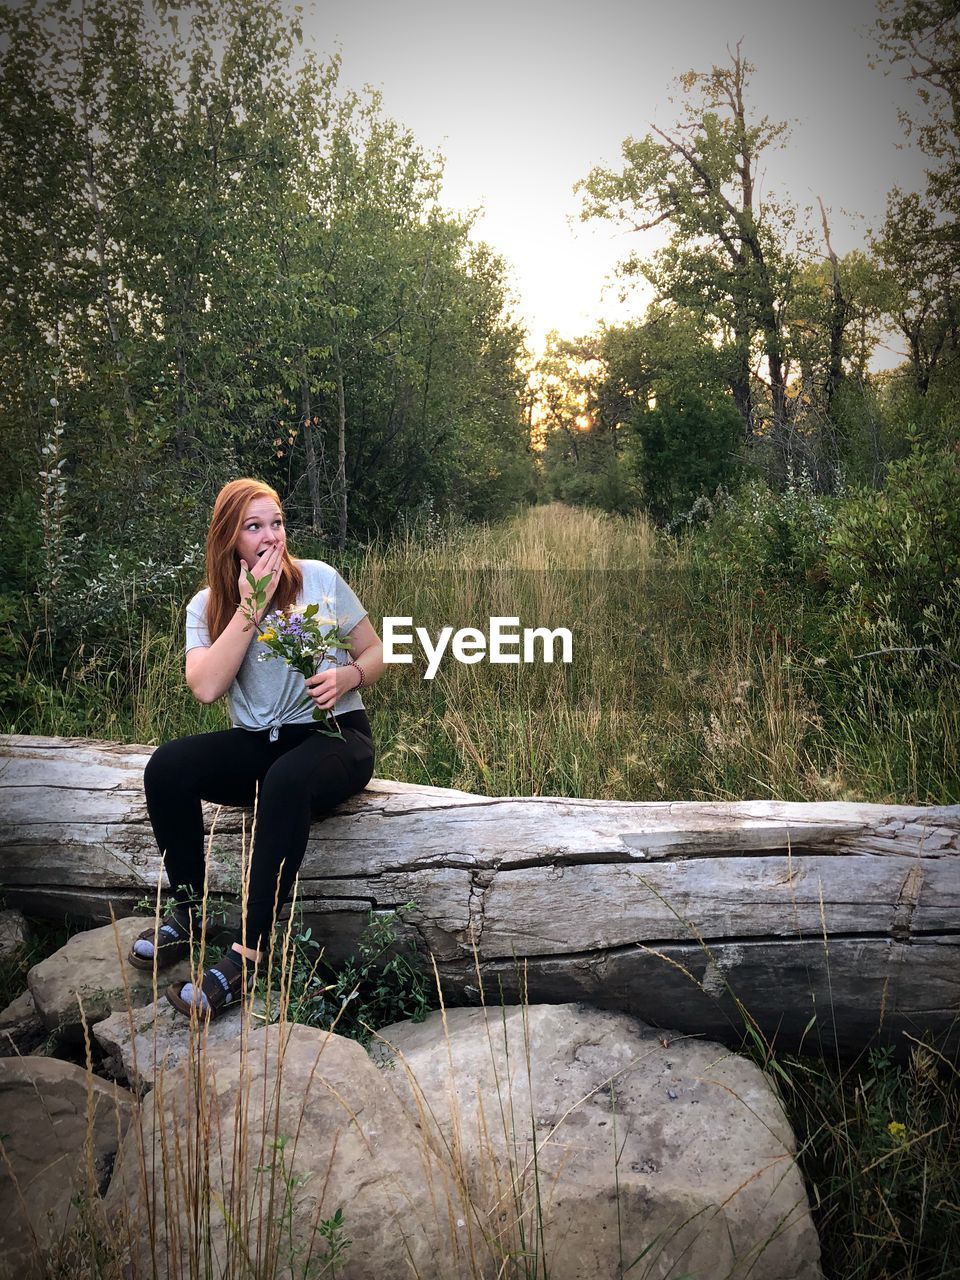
pixel 329 686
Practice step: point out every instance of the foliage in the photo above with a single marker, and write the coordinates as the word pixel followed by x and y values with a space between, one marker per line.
pixel 368 992
pixel 919 241
pixel 895 554
pixel 692 678
pixel 10 642
pixel 331 1230
pixel 221 263
pixel 759 535
pixel 44 937
pixel 924 35
pixel 920 264
pixel 728 259
pixel 686 448
pixel 300 638
pixel 878 1142
pixel 579 423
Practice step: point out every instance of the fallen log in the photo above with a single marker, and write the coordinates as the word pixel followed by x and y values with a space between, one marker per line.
pixel 825 925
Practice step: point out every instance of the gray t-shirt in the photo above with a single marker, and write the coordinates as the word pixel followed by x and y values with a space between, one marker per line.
pixel 265 695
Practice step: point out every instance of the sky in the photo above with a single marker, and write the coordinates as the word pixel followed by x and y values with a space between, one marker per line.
pixel 524 98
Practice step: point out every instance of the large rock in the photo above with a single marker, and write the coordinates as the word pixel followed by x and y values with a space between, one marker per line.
pixel 274 1133
pixel 47 1110
pixel 143 1042
pixel 593 1141
pixel 92 969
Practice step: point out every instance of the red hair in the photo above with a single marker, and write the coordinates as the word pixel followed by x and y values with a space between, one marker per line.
pixel 223 562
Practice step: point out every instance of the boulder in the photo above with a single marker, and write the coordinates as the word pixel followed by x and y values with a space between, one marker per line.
pixel 13 934
pixel 92 969
pixel 604 1148
pixel 47 1110
pixel 143 1042
pixel 18 1010
pixel 21 1027
pixel 247 1149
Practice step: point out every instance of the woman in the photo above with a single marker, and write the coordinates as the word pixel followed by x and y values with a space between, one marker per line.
pixel 274 752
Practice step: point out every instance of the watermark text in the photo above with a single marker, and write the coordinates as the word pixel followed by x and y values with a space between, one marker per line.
pixel 503 642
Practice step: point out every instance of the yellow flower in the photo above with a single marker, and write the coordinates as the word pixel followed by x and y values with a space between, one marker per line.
pixel 896 1130
pixel 268 635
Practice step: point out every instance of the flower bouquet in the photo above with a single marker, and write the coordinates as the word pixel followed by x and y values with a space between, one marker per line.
pixel 298 635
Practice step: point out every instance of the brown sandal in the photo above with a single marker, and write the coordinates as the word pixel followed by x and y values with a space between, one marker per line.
pixel 170 940
pixel 222 984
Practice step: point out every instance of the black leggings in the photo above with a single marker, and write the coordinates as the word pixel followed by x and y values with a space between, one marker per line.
pixel 302 775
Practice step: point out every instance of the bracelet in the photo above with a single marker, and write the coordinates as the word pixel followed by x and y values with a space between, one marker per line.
pixel 358 667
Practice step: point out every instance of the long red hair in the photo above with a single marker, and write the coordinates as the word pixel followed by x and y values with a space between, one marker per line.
pixel 223 563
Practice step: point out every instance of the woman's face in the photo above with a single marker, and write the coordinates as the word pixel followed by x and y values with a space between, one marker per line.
pixel 262 529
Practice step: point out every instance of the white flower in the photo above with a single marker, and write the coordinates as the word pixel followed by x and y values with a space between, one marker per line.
pixel 54 401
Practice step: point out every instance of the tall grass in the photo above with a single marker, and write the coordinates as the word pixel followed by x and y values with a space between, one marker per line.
pixel 683 685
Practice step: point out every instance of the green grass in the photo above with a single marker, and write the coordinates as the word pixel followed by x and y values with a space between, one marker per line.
pixel 686 683
pixel 879 1147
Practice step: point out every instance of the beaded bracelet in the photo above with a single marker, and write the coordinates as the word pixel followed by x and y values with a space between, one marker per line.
pixel 358 668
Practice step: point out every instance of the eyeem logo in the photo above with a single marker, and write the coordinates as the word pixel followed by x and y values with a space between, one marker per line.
pixel 469 645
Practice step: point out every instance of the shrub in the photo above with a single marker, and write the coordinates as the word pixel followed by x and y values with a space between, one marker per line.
pixel 687 447
pixel 895 553
pixel 381 983
pixel 756 533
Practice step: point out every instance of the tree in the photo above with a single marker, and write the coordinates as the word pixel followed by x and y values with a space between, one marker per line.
pixel 726 259
pixel 919 242
pixel 687 448
pixel 925 36
pixel 220 263
pixel 922 269
pixel 581 415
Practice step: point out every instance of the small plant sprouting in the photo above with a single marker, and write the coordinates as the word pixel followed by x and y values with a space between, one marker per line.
pixel 331 1230
pixel 218 909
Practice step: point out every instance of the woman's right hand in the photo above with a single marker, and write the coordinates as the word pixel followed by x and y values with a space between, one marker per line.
pixel 269 564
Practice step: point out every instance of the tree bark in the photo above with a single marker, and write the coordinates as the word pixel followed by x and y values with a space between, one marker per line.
pixel 313 471
pixel 341 447
pixel 839 314
pixel 827 925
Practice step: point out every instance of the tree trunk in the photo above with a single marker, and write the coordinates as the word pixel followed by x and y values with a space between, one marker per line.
pixel 306 426
pixel 740 383
pixel 827 924
pixel 341 447
pixel 839 314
